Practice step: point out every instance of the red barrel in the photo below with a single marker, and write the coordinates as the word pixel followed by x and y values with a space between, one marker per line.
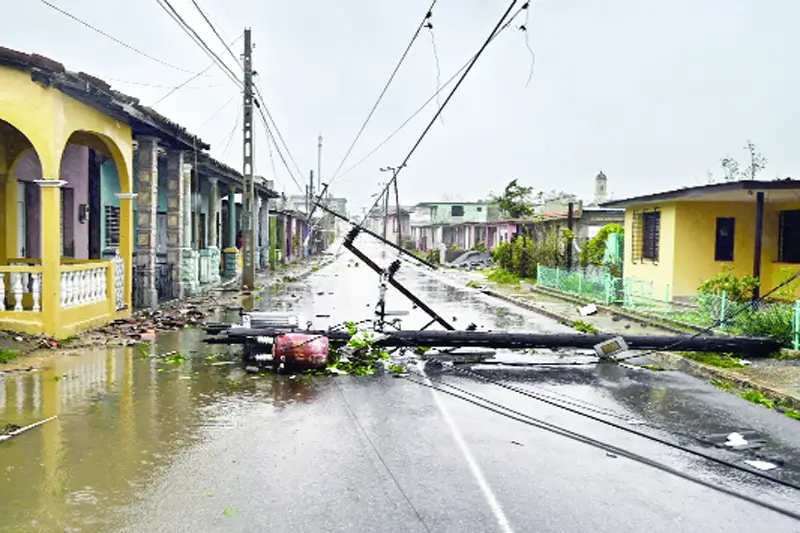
pixel 301 351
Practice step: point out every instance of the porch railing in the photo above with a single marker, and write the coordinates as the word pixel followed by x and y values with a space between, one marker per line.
pixel 84 284
pixel 20 287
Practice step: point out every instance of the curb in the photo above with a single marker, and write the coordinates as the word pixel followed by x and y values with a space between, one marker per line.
pixel 698 370
pixel 558 317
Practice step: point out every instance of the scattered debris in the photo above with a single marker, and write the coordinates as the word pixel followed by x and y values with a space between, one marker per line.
pixel 761 465
pixel 587 310
pixel 12 430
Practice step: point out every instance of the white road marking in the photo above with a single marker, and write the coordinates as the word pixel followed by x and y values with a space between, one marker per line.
pixel 491 499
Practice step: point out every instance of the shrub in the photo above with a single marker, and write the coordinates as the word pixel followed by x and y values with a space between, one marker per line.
pixel 736 289
pixel 594 249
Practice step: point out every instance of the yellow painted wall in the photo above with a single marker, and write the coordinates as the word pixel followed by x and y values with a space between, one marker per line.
pixel 48 118
pixel 660 272
pixel 688 234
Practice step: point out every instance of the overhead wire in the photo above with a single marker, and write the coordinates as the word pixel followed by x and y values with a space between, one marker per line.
pixel 444 104
pixel 529 420
pixel 218 111
pixel 161 86
pixel 524 28
pixel 214 29
pixel 198 74
pixel 383 91
pixel 628 429
pixel 170 10
pixel 429 25
pixel 426 103
pixel 173 13
pixel 109 36
pixel 233 130
pixel 275 127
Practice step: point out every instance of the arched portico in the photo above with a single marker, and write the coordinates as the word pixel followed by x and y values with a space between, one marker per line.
pixel 50 281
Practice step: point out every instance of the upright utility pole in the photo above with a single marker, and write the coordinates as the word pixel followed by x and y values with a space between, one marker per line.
pixel 248 194
pixel 385 211
pixel 397 215
pixel 319 162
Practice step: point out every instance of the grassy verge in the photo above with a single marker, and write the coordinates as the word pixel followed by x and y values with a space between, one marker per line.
pixel 719 360
pixel 6 355
pixel 757 397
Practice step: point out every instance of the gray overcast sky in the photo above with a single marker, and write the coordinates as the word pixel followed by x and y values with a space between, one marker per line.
pixel 653 92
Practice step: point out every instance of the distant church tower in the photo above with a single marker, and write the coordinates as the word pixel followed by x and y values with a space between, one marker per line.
pixel 600 188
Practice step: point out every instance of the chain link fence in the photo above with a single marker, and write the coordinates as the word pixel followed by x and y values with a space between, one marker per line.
pixel 778 320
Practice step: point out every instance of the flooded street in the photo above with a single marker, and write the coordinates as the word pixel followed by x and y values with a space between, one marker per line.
pixel 144 445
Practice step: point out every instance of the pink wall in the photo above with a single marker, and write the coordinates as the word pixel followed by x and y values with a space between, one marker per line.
pixel 75 171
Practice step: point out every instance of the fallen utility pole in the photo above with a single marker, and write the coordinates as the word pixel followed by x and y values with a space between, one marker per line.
pixel 503 340
pixel 348 243
pixel 373 234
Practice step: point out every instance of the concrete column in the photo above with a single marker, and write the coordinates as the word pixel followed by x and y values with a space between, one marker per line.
pixel 146 295
pixel 190 264
pixel 213 245
pixel 177 239
pixel 230 252
pixel 51 255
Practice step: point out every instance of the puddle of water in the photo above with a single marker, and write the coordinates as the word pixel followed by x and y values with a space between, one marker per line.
pixel 123 417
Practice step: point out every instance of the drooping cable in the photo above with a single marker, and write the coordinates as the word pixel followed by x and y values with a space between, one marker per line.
pixel 233 130
pixel 524 29
pixel 444 104
pixel 429 25
pixel 118 41
pixel 427 16
pixel 526 419
pixel 425 104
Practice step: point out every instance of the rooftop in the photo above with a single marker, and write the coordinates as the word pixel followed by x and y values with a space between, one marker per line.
pixel 730 191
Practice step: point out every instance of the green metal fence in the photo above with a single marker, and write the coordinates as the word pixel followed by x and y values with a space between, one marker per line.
pixel 772 319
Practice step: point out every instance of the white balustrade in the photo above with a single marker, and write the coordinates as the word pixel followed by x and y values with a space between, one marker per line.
pixel 18 284
pixel 119 281
pixel 83 287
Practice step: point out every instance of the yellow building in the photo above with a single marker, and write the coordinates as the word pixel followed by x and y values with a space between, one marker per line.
pixel 678 239
pixel 55 127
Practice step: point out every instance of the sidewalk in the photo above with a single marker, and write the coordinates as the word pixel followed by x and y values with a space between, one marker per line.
pixel 778 380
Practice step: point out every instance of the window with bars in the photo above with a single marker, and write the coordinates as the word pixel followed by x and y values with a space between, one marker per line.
pixel 646 235
pixel 112 226
pixel 789 236
pixel 723 246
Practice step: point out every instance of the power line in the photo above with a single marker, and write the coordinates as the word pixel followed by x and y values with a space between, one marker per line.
pixel 104 34
pixel 385 88
pixel 230 137
pixel 447 100
pixel 218 111
pixel 428 101
pixel 167 7
pixel 628 429
pixel 214 29
pixel 277 130
pixel 160 86
pixel 270 137
pixel 552 428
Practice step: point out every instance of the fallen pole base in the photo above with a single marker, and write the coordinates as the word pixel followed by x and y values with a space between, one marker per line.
pixel 502 340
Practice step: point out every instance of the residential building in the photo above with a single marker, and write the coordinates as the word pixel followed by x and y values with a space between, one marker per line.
pixel 105 204
pixel 682 237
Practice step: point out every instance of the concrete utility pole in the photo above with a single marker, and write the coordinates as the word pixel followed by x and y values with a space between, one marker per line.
pixel 394 171
pixel 248 194
pixel 385 211
pixel 319 162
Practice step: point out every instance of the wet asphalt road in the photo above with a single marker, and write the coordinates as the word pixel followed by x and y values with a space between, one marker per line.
pixel 215 450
